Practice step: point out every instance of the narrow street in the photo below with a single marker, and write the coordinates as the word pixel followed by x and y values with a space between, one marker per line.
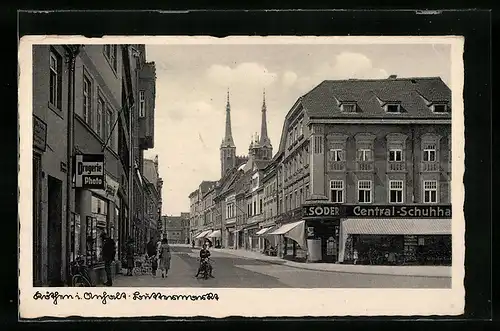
pixel 232 271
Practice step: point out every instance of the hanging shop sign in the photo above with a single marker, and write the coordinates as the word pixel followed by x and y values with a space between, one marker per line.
pixel 39 134
pixel 380 211
pixel 89 171
pixel 110 190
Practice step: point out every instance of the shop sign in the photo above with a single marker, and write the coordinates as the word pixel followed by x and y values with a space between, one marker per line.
pixel 39 134
pixel 110 189
pixel 310 231
pixel 377 211
pixel 89 171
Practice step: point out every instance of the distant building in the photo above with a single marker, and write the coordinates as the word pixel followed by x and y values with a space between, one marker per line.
pixel 152 197
pixel 176 228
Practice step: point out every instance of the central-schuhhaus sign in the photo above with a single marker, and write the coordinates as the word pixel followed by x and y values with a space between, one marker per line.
pixel 380 211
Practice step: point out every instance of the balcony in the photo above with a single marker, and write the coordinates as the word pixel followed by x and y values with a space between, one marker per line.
pixel 396 166
pixel 364 166
pixel 336 166
pixel 430 167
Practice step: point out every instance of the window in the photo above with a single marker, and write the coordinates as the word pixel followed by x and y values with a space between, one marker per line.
pixel 307 191
pixel 395 155
pixel 87 101
pixel 254 211
pixel 396 191
pixel 440 108
pixel 430 191
pixel 55 80
pixel 349 108
pixel 337 155
pixel 301 132
pixel 260 207
pixel 365 191
pixel 337 191
pixel 99 121
pixel 364 154
pixel 430 153
pixel 393 108
pixel 110 52
pixel 142 104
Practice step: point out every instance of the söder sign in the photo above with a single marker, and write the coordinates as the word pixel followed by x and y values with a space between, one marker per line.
pixel 379 211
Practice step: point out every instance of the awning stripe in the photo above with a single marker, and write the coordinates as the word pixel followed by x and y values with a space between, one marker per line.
pixel 285 228
pixel 262 231
pixel 203 234
pixel 215 234
pixel 397 226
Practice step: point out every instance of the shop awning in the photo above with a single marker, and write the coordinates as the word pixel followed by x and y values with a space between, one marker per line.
pixel 397 226
pixel 203 234
pixel 294 231
pixel 215 234
pixel 262 231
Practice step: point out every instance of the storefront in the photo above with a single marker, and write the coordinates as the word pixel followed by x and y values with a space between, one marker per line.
pixel 265 240
pixel 398 241
pixel 230 237
pixel 215 238
pixel 202 238
pixel 291 241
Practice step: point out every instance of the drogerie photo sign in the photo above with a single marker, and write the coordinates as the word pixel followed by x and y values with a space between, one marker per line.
pixel 197 176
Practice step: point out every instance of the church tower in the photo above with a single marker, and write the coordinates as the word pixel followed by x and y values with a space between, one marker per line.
pixel 265 146
pixel 227 147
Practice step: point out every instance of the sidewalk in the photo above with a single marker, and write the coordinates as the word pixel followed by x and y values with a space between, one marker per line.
pixel 423 271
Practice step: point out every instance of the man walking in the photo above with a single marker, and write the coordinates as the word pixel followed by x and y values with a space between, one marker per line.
pixel 108 255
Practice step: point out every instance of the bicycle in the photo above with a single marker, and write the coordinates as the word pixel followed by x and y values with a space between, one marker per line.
pixel 79 273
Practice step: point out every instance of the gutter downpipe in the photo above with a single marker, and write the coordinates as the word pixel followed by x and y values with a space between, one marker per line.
pixel 73 52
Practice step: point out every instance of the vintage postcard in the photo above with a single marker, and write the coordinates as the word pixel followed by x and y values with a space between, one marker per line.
pixel 241 176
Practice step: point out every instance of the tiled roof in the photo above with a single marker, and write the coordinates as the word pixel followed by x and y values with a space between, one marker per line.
pixel 412 94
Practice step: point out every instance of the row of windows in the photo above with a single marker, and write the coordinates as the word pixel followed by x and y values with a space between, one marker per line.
pixel 295 133
pixel 429 154
pixel 102 119
pixel 295 199
pixel 297 162
pixel 393 108
pixel 396 191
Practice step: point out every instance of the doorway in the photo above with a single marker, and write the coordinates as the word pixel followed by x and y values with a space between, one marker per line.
pixel 54 233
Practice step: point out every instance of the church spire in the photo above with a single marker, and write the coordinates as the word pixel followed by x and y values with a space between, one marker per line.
pixel 228 137
pixel 264 139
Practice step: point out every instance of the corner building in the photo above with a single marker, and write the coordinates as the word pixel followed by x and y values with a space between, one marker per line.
pixel 352 146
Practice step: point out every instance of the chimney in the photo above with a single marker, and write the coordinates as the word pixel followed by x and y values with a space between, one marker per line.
pixel 393 76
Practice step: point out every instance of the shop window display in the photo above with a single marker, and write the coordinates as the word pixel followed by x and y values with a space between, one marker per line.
pixel 99 226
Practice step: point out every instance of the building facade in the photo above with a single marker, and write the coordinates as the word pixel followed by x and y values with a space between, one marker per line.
pixel 176 228
pixel 368 145
pixel 152 189
pixel 84 95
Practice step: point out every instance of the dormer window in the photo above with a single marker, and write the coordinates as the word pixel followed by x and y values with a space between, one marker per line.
pixel 440 108
pixel 348 107
pixel 393 108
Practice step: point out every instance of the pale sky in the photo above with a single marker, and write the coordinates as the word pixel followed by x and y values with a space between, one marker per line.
pixel 191 86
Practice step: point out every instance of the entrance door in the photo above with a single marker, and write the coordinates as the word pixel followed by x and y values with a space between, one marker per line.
pixel 54 233
pixel 37 279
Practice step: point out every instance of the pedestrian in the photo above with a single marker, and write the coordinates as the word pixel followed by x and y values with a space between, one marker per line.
pixel 165 257
pixel 152 254
pixel 130 255
pixel 108 255
pixel 355 256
